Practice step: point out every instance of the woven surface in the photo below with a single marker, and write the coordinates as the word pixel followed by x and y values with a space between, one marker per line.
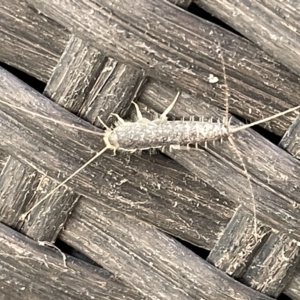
pixel 141 219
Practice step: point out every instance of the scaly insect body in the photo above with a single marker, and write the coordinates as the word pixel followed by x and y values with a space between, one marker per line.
pixel 141 136
pixel 159 133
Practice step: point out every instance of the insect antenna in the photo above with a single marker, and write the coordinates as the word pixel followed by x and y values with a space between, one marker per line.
pixel 50 119
pixel 236 129
pixel 65 181
pixel 226 90
pixel 229 130
pixel 68 125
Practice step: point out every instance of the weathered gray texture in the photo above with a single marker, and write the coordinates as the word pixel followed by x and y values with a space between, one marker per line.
pixel 290 141
pixel 272 25
pixel 238 244
pixel 181 3
pixel 31 271
pixel 91 85
pixel 21 188
pixel 266 261
pixel 166 271
pixel 27 39
pixel 269 88
pixel 18 183
pixel 265 89
pixel 293 288
pixel 274 265
pixel 47 219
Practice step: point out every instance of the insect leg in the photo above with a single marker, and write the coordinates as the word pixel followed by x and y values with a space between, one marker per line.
pixel 163 117
pixel 138 112
pixel 103 124
pixel 120 120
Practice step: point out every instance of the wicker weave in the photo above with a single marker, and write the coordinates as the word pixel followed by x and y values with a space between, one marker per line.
pixel 140 221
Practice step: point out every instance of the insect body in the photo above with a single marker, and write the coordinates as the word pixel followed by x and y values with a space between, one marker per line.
pixel 173 134
pixel 159 133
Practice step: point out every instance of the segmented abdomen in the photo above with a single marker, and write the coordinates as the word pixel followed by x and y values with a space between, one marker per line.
pixel 138 135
